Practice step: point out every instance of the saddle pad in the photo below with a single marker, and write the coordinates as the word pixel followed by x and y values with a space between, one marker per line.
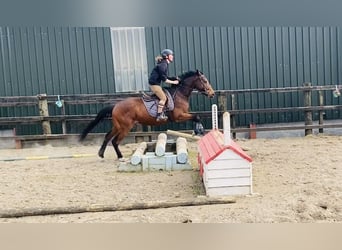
pixel 151 103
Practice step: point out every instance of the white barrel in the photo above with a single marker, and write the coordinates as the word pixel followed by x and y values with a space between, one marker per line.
pixel 139 152
pixel 161 144
pixel 182 151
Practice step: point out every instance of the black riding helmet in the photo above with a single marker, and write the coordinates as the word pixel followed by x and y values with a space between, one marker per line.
pixel 166 52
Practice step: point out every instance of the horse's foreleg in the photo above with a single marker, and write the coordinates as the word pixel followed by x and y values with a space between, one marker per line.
pixel 184 116
pixel 196 118
pixel 199 129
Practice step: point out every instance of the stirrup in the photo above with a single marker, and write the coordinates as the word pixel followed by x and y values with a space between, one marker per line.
pixel 161 117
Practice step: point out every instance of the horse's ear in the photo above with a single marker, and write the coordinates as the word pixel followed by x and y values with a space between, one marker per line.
pixel 198 72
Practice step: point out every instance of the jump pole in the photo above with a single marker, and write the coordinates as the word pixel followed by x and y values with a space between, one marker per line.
pixel 185 135
pixel 182 151
pixel 161 144
pixel 37 211
pixel 138 154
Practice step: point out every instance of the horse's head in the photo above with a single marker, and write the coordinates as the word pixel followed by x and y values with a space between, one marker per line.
pixel 203 85
pixel 198 81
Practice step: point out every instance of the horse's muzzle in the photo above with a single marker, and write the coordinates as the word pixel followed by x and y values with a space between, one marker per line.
pixel 210 94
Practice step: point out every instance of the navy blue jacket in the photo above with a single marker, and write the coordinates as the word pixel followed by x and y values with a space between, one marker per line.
pixel 159 73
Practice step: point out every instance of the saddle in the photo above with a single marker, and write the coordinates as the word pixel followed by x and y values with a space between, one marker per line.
pixel 151 103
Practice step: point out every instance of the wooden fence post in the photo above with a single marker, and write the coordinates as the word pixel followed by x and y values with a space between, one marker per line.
pixel 321 112
pixel 139 128
pixel 307 103
pixel 222 105
pixel 64 127
pixel 222 102
pixel 232 116
pixel 43 112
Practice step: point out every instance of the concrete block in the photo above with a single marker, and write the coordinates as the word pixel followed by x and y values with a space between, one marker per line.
pixel 185 166
pixel 156 167
pixel 156 160
pixel 127 167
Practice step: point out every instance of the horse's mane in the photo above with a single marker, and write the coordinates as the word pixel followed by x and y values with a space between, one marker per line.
pixel 187 74
pixel 182 77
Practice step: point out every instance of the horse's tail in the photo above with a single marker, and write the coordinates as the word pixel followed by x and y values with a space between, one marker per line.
pixel 103 113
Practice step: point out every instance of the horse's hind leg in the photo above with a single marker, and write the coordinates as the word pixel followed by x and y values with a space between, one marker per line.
pixel 116 147
pixel 107 138
pixel 118 138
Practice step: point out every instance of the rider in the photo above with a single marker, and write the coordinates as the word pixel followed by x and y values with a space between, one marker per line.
pixel 159 75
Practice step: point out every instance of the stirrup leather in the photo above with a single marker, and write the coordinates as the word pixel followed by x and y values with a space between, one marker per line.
pixel 160 106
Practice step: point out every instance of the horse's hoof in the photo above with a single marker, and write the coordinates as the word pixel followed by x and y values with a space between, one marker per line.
pixel 123 159
pixel 101 155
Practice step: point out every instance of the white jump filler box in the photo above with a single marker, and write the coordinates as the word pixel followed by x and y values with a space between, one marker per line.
pixel 225 168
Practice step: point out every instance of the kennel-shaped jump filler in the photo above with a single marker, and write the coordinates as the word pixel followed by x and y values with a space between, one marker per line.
pixel 225 168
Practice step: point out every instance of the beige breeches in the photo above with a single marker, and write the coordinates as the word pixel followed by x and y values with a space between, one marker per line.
pixel 160 93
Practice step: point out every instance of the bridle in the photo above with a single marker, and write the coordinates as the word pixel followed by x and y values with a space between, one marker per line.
pixel 204 87
pixel 204 84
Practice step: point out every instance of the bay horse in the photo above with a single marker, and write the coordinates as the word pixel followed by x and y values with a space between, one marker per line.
pixel 126 113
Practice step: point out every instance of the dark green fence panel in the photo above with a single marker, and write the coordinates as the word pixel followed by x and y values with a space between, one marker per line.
pixel 255 57
pixel 55 61
pixel 78 60
pixel 37 60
